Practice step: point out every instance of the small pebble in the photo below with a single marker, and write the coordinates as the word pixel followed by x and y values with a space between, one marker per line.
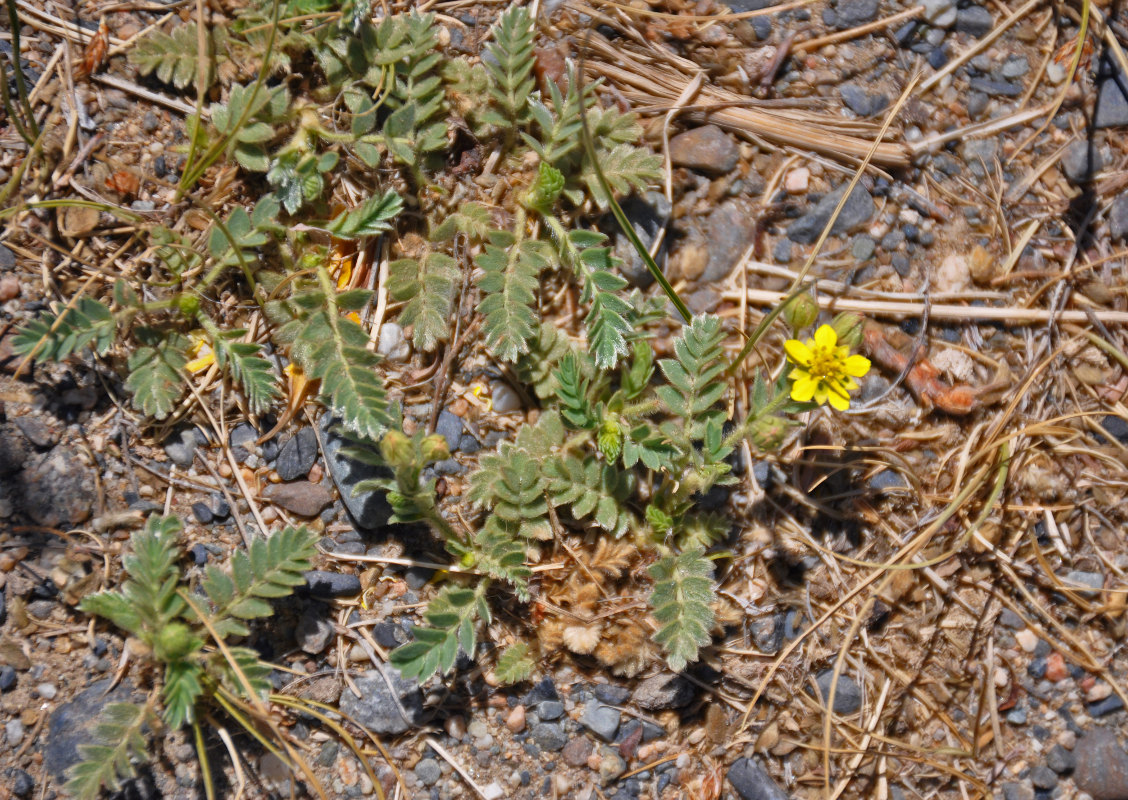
pixel 516 719
pixel 47 691
pixel 1026 639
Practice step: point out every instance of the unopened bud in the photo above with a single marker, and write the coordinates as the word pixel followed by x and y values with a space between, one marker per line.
pixel 435 448
pixel 395 447
pixel 800 312
pixel 848 326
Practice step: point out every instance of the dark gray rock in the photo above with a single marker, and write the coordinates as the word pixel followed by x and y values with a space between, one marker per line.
pixel 331 584
pixel 378 707
pixel 852 13
pixel 1081 161
pixel 450 427
pixel 1101 708
pixel 1009 619
pixel 57 489
pixel 1102 766
pixel 977 103
pixel 887 480
pixel 1093 580
pixel 729 231
pixel 370 509
pixel 1060 760
pixel 705 149
pixel 202 513
pixel 36 431
pixel 862 102
pixel 995 88
pixel 753 783
pixel 601 720
pixel 1111 110
pixel 1043 778
pixel 611 694
pixel 663 691
pixel 740 6
pixel 1118 217
pixel 7 678
pixel 198 552
pixel 1116 427
pixel 549 736
pixel 544 690
pixel 314 632
pixel 298 455
pixel 7 258
pixel 20 783
pixel 647 215
pixel 242 440
pixel 299 497
pixel 550 710
pixel 71 724
pixel 418 577
pixel 974 21
pixel 847 697
pixel 857 211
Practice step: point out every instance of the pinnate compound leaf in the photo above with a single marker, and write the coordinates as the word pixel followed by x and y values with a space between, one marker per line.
pixel 510 275
pixel 428 287
pixel 514 664
pixel 116 745
pixel 250 370
pixel 450 618
pixel 155 371
pixel 681 599
pixel 371 218
pixel 54 336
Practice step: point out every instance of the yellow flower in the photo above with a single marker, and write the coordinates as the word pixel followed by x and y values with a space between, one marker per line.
pixel 200 353
pixel 824 370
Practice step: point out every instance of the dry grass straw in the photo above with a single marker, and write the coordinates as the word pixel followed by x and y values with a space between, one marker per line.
pixel 651 76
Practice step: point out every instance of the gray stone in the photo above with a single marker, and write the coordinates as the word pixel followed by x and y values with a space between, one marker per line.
pixel 1081 161
pixel 847 697
pixel 22 784
pixel 977 103
pixel 1043 778
pixel 13 732
pixel 1015 67
pixel 1093 580
pixel 1111 109
pixel 71 724
pixel 242 441
pixel 601 720
pixel 298 455
pixel 887 480
pixel 56 488
pixel 449 426
pixel 379 706
pixel 857 211
pixel 1110 705
pixel 1060 760
pixel 995 88
pixel 979 152
pixel 852 13
pixel 663 691
pixel 549 736
pixel 47 691
pixel 369 509
pixel 647 215
pixel 7 678
pixel 37 432
pixel 299 497
pixel 940 13
pixel 7 258
pixel 752 782
pixel 550 710
pixel 314 632
pixel 974 21
pixel 326 585
pixel 611 765
pixel 543 691
pixel 1009 619
pixel 611 694
pixel 428 771
pixel 1118 217
pixel 1102 766
pixel 862 102
pixel 504 398
pixel 729 231
pixel 706 149
pixel 862 248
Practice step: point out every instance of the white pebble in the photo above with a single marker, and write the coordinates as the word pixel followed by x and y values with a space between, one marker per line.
pixel 1026 639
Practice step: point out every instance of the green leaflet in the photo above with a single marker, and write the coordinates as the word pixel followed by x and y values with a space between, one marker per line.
pixel 683 591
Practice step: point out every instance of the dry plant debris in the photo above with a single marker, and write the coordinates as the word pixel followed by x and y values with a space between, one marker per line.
pixel 920 597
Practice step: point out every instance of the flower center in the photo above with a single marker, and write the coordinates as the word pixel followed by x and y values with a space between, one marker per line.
pixel 824 362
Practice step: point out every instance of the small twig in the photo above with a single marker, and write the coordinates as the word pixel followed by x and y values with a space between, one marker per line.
pixel 447 757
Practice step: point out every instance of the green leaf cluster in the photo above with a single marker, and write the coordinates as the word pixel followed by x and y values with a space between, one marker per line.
pixel 510 66
pixel 54 336
pixel 681 599
pixel 511 269
pixel 451 618
pixel 117 743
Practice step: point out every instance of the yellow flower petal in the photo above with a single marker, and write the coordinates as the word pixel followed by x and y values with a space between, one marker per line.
pixel 803 389
pixel 856 366
pixel 797 351
pixel 825 337
pixel 201 363
pixel 839 401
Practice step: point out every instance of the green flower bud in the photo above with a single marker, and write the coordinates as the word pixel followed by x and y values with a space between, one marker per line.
pixel 610 438
pixel 548 186
pixel 767 433
pixel 435 448
pixel 800 312
pixel 174 641
pixel 189 305
pixel 659 520
pixel 395 447
pixel 848 326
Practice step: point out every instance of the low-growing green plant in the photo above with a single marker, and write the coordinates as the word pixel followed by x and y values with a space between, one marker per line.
pixel 186 637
